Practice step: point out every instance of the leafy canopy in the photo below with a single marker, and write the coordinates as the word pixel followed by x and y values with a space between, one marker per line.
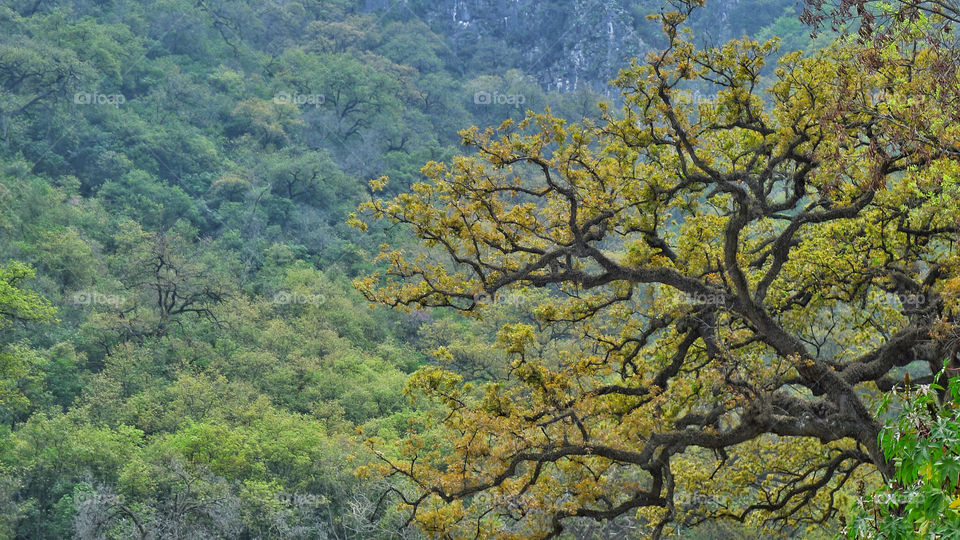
pixel 733 282
pixel 18 303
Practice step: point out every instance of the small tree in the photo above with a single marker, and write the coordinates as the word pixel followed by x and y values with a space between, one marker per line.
pixel 17 304
pixel 922 440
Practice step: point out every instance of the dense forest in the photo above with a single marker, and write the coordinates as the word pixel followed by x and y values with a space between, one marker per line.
pixel 472 269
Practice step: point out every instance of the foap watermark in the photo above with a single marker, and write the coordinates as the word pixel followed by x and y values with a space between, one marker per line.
pixel 899 299
pixel 511 298
pixel 82 499
pixel 496 98
pixel 286 297
pixel 698 299
pixel 697 97
pixel 89 298
pixel 301 500
pixel 715 299
pixel 511 503
pixel 294 98
pixel 701 499
pixel 96 98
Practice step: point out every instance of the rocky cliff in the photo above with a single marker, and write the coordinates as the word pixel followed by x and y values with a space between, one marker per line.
pixel 566 48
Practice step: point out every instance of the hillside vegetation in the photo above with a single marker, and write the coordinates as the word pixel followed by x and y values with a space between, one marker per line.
pixel 188 347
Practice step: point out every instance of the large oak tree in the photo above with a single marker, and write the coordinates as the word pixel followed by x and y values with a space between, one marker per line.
pixel 734 283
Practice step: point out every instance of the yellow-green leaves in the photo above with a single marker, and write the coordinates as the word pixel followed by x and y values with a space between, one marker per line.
pixel 18 302
pixel 516 337
pixel 724 282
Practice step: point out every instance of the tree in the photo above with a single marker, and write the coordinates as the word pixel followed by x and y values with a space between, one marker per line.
pixel 928 25
pixel 164 279
pixel 18 303
pixel 348 95
pixel 30 75
pixel 880 20
pixel 733 284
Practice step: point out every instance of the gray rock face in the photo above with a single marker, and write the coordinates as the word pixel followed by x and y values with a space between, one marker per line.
pixel 568 44
pixel 563 46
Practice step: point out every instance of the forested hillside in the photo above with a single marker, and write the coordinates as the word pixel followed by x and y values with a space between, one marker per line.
pixel 188 347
